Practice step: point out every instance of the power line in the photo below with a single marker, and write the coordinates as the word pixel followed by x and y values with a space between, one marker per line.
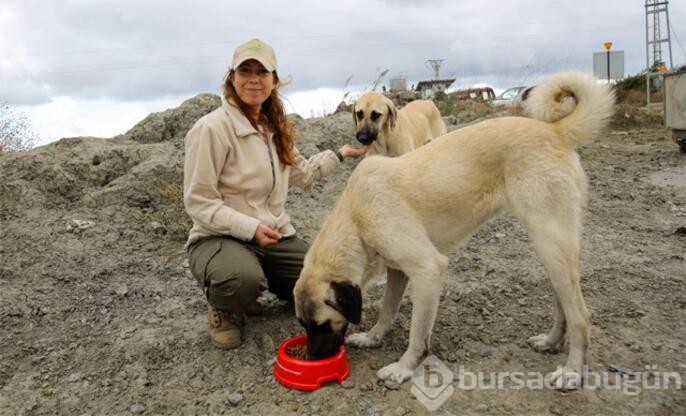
pixel 481 28
pixel 309 51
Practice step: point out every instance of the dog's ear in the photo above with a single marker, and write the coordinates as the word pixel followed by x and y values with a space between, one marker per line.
pixel 347 300
pixel 392 115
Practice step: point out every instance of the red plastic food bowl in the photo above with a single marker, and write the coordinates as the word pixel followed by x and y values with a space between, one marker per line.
pixel 309 374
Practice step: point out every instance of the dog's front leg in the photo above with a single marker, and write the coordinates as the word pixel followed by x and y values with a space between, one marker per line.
pixel 426 296
pixel 396 282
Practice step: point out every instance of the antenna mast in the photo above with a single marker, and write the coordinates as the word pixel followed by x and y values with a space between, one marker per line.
pixel 435 64
pixel 656 14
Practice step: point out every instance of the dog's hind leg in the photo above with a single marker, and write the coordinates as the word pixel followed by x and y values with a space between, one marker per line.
pixel 553 341
pixel 556 240
pixel 396 282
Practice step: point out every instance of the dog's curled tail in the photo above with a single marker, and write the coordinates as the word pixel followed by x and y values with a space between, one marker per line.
pixel 575 101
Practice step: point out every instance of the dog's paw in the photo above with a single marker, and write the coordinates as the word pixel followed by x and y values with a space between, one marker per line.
pixel 566 379
pixel 541 343
pixel 395 372
pixel 362 340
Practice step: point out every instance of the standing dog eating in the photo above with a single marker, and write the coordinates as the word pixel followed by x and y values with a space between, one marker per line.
pixel 392 132
pixel 411 210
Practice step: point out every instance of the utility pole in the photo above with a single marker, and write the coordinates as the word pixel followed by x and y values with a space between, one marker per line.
pixel 435 64
pixel 608 45
pixel 657 13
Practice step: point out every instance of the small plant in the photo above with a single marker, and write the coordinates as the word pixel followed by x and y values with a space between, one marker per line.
pixel 170 213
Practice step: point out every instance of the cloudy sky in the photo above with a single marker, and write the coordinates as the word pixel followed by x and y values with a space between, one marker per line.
pixel 97 67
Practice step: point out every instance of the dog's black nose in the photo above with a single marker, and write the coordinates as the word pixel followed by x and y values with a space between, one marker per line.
pixel 364 138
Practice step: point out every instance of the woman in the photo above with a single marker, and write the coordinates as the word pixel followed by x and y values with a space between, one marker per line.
pixel 239 161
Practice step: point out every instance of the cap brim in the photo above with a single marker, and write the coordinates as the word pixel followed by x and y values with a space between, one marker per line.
pixel 265 64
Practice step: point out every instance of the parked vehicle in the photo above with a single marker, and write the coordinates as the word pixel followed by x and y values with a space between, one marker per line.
pixel 480 94
pixel 509 96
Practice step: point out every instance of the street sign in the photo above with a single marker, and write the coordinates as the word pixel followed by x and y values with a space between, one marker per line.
pixel 600 61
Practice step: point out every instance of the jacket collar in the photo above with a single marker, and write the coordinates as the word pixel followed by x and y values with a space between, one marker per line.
pixel 241 124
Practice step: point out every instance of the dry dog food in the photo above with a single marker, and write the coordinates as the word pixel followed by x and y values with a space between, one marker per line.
pixel 297 351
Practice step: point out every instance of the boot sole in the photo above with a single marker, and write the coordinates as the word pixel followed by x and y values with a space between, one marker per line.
pixel 226 346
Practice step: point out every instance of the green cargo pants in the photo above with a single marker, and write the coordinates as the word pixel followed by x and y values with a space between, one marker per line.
pixel 234 273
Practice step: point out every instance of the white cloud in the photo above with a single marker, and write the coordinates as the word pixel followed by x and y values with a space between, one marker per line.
pixel 67 117
pixel 315 103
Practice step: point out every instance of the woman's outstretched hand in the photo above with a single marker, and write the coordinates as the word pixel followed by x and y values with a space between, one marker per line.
pixel 354 152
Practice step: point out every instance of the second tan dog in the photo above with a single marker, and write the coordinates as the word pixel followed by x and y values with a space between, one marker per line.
pixel 392 132
pixel 411 210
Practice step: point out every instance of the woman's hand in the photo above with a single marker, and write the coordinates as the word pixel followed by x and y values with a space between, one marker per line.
pixel 266 236
pixel 354 152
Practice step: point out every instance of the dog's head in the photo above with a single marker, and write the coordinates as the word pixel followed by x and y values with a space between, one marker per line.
pixel 373 113
pixel 325 308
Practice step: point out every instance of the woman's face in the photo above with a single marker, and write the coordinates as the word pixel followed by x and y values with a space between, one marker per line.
pixel 253 83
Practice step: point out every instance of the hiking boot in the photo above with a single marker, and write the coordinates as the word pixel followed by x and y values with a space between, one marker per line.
pixel 224 326
pixel 253 308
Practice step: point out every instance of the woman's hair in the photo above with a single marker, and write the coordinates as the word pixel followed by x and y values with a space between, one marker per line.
pixel 273 115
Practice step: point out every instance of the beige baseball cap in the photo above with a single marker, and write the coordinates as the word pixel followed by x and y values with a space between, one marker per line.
pixel 255 49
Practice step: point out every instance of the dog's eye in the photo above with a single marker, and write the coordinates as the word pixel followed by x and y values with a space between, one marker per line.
pixel 375 115
pixel 359 114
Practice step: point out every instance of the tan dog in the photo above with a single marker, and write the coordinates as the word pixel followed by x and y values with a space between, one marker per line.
pixel 412 209
pixel 390 132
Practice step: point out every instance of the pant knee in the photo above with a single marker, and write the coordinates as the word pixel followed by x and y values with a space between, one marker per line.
pixel 235 292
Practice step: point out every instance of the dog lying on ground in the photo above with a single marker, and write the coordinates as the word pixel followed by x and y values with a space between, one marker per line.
pixel 412 209
pixel 392 132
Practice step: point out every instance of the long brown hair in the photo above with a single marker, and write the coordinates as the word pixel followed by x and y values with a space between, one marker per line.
pixel 272 114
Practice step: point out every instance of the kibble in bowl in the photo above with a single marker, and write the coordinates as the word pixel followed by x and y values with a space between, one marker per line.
pixel 299 351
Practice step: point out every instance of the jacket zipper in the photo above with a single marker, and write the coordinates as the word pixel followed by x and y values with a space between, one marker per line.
pixel 271 163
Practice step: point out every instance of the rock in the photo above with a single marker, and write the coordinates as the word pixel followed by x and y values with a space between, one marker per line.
pixel 391 385
pixel 401 411
pixel 158 228
pixel 347 384
pixel 556 411
pixel 366 387
pixel 137 408
pixel 663 399
pixel 76 226
pixel 234 399
pixel 121 290
pixel 621 370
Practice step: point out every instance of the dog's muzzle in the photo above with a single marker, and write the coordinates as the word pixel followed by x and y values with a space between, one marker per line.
pixel 366 137
pixel 323 342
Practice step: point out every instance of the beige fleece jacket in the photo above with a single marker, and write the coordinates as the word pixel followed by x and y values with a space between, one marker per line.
pixel 233 180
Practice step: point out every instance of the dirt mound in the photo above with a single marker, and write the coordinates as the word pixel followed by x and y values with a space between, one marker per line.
pixel 172 125
pixel 628 116
pixel 99 313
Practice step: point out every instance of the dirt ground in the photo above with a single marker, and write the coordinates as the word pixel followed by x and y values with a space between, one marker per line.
pixel 99 314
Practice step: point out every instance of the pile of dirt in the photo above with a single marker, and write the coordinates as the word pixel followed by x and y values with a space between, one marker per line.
pixel 99 313
pixel 628 116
